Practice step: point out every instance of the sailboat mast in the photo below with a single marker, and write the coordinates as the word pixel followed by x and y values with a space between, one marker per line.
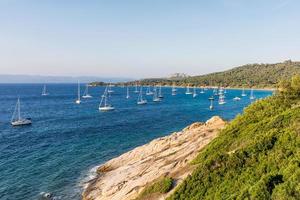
pixel 19 112
pixel 160 90
pixel 78 91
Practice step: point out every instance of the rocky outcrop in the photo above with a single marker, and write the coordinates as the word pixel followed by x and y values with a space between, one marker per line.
pixel 126 176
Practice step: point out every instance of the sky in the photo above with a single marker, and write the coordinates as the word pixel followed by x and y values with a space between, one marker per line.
pixel 144 38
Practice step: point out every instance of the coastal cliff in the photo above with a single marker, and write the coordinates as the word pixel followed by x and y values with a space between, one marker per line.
pixel 126 176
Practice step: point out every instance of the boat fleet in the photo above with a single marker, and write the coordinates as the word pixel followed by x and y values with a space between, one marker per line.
pixel 154 91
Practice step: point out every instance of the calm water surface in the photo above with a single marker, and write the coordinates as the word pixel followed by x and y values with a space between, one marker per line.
pixel 57 152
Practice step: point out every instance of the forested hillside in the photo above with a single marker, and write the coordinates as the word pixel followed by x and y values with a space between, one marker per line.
pixel 257 156
pixel 251 75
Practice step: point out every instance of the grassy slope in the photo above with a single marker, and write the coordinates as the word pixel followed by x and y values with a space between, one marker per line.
pixel 256 157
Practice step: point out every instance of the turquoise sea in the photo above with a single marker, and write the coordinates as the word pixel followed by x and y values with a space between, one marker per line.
pixel 59 151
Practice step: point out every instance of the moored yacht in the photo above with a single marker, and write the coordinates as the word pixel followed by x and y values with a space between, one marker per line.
pixel 104 104
pixel 140 100
pixel 16 119
pixel 78 101
pixel 188 90
pixel 44 92
pixel 86 94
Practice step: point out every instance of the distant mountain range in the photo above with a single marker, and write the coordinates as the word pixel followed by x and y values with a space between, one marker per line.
pixel 250 75
pixel 5 78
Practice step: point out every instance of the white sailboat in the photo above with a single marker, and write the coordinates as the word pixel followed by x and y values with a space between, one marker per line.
pixel 136 88
pixel 221 99
pixel 104 105
pixel 160 93
pixel 188 90
pixel 149 92
pixel 252 95
pixel 127 95
pixel 44 92
pixel 220 91
pixel 110 90
pixel 86 94
pixel 155 96
pixel 194 92
pixel 140 100
pixel 78 101
pixel 211 107
pixel 16 119
pixel 202 90
pixel 243 93
pixel 174 90
pixel 236 99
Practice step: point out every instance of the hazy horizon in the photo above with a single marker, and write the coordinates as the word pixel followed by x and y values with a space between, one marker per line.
pixel 142 39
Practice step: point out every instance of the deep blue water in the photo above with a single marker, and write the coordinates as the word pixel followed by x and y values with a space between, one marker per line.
pixel 56 153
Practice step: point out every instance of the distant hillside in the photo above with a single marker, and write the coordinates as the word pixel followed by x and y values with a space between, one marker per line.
pixel 257 156
pixel 250 75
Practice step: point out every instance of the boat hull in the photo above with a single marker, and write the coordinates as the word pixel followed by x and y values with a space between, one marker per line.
pixel 22 122
pixel 141 102
pixel 87 96
pixel 108 108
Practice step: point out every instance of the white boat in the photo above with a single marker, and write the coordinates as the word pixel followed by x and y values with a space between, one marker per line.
pixel 221 99
pixel 86 94
pixel 44 92
pixel 104 105
pixel 160 94
pixel 110 90
pixel 78 101
pixel 127 95
pixel 174 90
pixel 16 119
pixel 194 92
pixel 202 91
pixel 236 98
pixel 215 92
pixel 188 90
pixel 252 95
pixel 136 88
pixel 221 91
pixel 211 107
pixel 149 92
pixel 243 93
pixel 140 100
pixel 155 96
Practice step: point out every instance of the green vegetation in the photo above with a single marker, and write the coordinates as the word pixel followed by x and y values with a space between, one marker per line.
pixel 161 186
pixel 251 75
pixel 257 156
pixel 94 84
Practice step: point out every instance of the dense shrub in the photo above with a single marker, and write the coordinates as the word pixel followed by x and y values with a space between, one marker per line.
pixel 161 186
pixel 257 156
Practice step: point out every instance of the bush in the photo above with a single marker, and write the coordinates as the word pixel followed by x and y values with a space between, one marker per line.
pixel 161 186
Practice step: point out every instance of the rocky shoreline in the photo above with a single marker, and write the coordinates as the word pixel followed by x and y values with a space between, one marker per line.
pixel 126 176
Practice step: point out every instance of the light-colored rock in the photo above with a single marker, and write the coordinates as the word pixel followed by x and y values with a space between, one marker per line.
pixel 124 177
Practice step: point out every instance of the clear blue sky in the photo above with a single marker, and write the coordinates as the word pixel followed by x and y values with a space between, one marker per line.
pixel 139 38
